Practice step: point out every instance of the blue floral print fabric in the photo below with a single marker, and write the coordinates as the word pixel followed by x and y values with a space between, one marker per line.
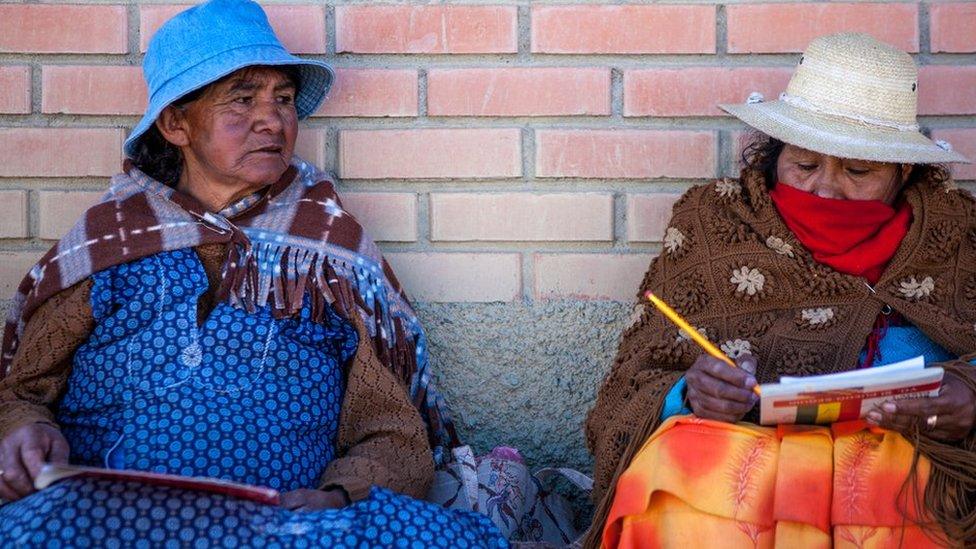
pixel 242 396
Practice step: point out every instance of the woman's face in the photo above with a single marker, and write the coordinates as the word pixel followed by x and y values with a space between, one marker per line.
pixel 240 133
pixel 842 178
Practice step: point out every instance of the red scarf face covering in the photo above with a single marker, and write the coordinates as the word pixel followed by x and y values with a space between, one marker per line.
pixel 855 237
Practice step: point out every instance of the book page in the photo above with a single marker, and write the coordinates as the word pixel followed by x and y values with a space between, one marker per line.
pixel 51 473
pixel 846 396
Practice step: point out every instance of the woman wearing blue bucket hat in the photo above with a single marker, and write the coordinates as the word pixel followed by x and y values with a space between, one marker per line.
pixel 219 314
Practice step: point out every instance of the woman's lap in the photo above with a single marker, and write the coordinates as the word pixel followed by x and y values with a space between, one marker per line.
pixel 86 512
pixel 697 481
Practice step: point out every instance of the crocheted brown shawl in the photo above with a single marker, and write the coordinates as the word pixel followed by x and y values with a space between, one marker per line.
pixel 733 269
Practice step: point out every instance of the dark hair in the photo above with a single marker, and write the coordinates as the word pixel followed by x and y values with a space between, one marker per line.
pixel 162 160
pixel 762 153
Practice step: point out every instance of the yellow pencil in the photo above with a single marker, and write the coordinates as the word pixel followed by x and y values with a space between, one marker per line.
pixel 695 336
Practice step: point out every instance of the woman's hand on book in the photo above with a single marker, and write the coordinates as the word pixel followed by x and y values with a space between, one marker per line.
pixel 311 500
pixel 720 392
pixel 949 416
pixel 23 452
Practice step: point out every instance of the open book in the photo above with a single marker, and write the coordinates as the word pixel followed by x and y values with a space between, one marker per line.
pixel 845 396
pixel 53 473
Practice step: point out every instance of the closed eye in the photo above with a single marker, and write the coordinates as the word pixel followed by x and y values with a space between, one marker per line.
pixel 807 167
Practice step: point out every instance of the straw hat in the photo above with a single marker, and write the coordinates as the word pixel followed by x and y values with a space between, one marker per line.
pixel 851 96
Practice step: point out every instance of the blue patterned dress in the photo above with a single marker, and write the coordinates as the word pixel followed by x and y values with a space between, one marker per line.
pixel 244 397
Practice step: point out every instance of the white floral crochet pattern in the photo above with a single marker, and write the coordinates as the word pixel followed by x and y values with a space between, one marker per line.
pixel 748 281
pixel 818 316
pixel 728 188
pixel 635 315
pixel 673 239
pixel 736 348
pixel 917 289
pixel 683 335
pixel 779 246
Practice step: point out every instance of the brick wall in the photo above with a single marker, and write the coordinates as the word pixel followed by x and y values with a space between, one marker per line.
pixel 512 151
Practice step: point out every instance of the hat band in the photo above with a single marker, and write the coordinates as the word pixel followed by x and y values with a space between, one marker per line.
pixel 805 105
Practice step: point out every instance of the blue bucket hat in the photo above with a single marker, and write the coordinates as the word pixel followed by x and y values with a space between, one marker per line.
pixel 210 41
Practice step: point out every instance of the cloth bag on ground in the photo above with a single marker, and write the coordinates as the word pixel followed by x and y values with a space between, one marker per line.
pixel 522 505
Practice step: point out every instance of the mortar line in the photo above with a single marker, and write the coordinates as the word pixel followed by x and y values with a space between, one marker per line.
pixel 528 276
pixel 424 226
pixel 422 97
pixel 924 33
pixel 330 30
pixel 721 33
pixel 616 94
pixel 620 220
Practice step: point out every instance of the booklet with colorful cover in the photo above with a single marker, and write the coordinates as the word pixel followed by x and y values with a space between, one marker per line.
pixel 845 396
pixel 51 473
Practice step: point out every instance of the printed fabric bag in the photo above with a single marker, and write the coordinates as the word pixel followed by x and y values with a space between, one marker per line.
pixel 522 505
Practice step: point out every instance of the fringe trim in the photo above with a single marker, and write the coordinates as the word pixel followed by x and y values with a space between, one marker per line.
pixel 266 274
pixel 593 537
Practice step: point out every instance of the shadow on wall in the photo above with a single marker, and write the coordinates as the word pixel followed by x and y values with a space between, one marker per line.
pixel 524 375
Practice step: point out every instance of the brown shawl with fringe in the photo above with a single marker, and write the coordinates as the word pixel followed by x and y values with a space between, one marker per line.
pixel 289 241
pixel 735 271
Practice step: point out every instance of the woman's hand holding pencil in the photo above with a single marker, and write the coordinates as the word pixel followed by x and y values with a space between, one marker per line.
pixel 718 392
pixel 719 388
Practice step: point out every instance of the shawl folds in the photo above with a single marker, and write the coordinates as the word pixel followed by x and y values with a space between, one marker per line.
pixel 292 240
pixel 731 266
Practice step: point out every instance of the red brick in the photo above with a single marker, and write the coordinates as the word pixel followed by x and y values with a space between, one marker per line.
pixel 387 217
pixel 952 27
pixel 614 277
pixel 372 92
pixel 310 146
pixel 426 29
pixel 777 28
pixel 60 210
pixel 625 153
pixel 59 28
pixel 947 90
pixel 449 277
pixel 300 28
pixel 13 214
pixel 648 216
pixel 696 91
pixel 521 217
pixel 518 92
pixel 15 267
pixel 81 89
pixel 430 153
pixel 15 90
pixel 964 141
pixel 623 29
pixel 59 152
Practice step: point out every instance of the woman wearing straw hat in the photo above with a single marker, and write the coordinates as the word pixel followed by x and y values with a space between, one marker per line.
pixel 843 245
pixel 219 314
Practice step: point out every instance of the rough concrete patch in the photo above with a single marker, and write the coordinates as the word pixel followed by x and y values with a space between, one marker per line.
pixel 524 375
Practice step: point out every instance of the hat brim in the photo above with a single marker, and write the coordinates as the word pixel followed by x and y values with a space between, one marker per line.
pixel 841 137
pixel 316 81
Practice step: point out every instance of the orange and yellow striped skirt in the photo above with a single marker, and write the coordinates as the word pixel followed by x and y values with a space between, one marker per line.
pixel 702 483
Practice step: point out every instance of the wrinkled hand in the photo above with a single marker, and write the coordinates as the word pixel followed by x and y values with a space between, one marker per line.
pixel 718 391
pixel 23 452
pixel 955 408
pixel 310 500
